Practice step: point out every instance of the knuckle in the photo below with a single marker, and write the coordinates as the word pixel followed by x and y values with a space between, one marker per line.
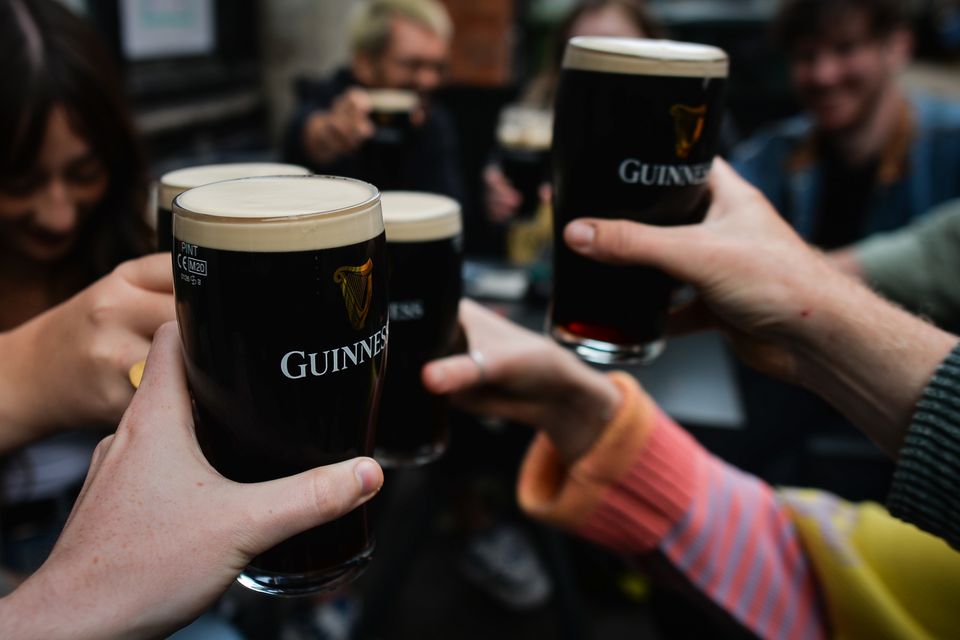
pixel 327 500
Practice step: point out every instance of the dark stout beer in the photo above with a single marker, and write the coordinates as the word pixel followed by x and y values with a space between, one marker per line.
pixel 425 251
pixel 281 298
pixel 173 183
pixel 635 131
pixel 382 157
pixel 523 138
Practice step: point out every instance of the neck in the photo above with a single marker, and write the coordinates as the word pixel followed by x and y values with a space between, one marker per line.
pixel 865 141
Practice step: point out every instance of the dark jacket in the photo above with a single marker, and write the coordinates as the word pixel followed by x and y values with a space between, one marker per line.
pixel 430 163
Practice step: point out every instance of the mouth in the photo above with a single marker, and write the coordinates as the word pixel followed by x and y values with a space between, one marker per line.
pixel 48 244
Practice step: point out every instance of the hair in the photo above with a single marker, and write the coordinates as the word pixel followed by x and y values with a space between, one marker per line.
pixel 800 19
pixel 370 26
pixel 53 57
pixel 542 88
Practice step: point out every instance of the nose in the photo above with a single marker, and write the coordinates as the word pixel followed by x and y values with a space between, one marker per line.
pixel 825 69
pixel 427 79
pixel 56 210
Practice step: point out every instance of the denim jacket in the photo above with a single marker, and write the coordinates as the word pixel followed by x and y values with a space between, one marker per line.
pixel 920 168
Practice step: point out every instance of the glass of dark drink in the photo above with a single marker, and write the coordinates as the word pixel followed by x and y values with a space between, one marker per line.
pixel 281 298
pixel 523 141
pixel 636 125
pixel 173 183
pixel 425 253
pixel 383 157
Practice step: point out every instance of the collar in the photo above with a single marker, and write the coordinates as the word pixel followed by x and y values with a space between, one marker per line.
pixel 894 156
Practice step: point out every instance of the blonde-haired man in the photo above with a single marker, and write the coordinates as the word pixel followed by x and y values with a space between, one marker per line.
pixel 395 44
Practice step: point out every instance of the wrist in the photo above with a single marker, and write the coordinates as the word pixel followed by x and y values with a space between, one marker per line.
pixel 577 422
pixel 868 358
pixel 24 416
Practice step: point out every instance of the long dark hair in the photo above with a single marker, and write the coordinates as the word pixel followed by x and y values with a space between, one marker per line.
pixel 53 57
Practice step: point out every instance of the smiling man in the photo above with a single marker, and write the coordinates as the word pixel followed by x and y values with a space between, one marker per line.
pixel 400 50
pixel 865 157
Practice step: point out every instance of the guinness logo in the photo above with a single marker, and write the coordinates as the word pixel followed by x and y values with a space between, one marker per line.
pixel 688 125
pixel 356 285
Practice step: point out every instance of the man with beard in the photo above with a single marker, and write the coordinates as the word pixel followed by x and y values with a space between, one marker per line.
pixel 866 157
pixel 402 46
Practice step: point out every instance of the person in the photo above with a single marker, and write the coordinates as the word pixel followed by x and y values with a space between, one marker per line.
pixel 73 196
pixel 615 18
pixel 395 44
pixel 608 465
pixel 157 534
pixel 865 157
pixel 914 266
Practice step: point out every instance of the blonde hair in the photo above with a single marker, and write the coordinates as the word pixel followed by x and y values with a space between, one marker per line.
pixel 370 27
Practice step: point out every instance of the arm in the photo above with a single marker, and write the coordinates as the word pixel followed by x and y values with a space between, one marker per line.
pixel 157 534
pixel 69 366
pixel 786 310
pixel 608 465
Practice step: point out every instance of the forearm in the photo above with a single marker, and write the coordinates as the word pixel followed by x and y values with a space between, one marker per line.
pixel 869 359
pixel 22 414
pixel 647 486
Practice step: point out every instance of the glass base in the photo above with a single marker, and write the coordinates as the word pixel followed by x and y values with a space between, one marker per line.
pixel 409 459
pixel 600 352
pixel 291 585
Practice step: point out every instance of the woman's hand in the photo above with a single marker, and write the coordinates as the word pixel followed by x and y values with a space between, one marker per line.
pixel 517 375
pixel 69 366
pixel 157 534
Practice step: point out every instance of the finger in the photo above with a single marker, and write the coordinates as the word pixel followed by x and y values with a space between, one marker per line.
pixel 625 242
pixel 451 375
pixel 153 272
pixel 163 396
pixel 150 311
pixel 285 507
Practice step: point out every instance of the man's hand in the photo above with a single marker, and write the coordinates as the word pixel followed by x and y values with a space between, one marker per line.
pixel 328 135
pixel 787 311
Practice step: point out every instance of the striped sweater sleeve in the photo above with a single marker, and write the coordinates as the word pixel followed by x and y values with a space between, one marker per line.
pixel 648 486
pixel 926 483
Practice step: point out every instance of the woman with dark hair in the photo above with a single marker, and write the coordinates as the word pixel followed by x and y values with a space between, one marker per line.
pixel 73 194
pixel 615 18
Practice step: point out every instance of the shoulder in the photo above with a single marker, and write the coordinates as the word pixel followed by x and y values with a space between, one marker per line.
pixel 936 115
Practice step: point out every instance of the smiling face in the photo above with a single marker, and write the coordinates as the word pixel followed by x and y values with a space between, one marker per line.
pixel 415 58
pixel 44 207
pixel 842 73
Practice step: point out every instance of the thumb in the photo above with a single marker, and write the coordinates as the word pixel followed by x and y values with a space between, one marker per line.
pixel 623 242
pixel 285 507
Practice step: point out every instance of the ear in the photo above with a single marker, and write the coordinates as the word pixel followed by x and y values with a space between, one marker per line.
pixel 901 47
pixel 364 69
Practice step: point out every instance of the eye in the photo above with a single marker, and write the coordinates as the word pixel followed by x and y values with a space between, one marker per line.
pixel 85 171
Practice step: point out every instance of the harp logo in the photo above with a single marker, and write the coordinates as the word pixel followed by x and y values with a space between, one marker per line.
pixel 688 126
pixel 356 285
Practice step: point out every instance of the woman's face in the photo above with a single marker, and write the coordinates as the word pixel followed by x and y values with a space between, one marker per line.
pixel 43 208
pixel 607 21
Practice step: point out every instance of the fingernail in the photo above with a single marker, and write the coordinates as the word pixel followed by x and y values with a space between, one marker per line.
pixel 369 475
pixel 580 234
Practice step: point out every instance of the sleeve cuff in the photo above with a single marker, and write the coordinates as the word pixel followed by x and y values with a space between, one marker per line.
pixel 629 490
pixel 926 482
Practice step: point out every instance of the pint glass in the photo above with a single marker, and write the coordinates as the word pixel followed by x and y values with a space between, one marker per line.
pixel 281 298
pixel 635 130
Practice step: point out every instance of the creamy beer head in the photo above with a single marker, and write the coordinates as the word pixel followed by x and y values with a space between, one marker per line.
pixel 173 183
pixel 278 213
pixel 638 56
pixel 392 100
pixel 522 127
pixel 414 216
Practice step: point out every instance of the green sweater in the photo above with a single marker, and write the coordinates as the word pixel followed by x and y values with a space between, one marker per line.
pixel 926 483
pixel 918 266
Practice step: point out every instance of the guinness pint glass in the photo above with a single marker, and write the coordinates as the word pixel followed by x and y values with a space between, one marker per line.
pixel 523 139
pixel 173 183
pixel 280 287
pixel 635 131
pixel 425 253
pixel 382 158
